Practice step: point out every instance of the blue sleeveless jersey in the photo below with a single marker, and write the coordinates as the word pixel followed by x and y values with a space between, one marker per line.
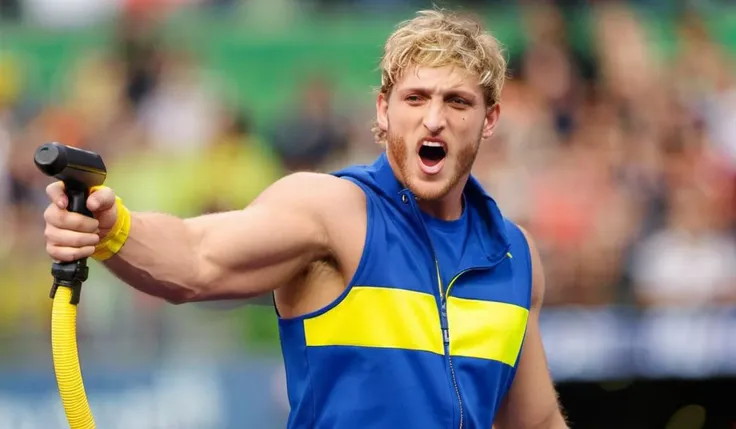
pixel 400 348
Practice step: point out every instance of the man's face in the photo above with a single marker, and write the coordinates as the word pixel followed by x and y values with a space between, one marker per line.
pixel 435 119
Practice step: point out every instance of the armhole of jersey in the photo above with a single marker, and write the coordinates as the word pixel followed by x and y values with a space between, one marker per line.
pixel 519 238
pixel 523 243
pixel 364 257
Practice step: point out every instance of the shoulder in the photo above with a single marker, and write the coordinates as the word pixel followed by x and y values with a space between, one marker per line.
pixel 337 207
pixel 334 205
pixel 316 192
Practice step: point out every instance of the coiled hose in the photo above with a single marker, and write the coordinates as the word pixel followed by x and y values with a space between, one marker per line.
pixel 66 361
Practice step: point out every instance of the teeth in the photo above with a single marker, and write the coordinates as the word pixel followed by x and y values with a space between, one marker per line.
pixel 432 144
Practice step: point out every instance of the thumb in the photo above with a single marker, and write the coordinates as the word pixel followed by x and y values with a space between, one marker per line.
pixel 106 219
pixel 102 203
pixel 100 198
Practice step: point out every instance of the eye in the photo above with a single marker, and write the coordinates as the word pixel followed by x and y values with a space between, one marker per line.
pixel 413 99
pixel 459 101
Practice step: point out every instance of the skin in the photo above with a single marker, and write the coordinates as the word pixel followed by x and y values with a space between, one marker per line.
pixel 440 103
pixel 303 237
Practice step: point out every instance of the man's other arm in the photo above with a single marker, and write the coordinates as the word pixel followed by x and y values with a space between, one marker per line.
pixel 531 402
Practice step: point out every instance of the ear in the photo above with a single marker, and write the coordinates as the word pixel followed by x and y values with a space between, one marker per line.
pixel 492 114
pixel 382 111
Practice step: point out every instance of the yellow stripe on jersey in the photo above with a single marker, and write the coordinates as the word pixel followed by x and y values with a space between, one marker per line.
pixel 379 317
pixel 486 329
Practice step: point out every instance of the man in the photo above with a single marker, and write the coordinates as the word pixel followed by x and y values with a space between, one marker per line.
pixel 403 294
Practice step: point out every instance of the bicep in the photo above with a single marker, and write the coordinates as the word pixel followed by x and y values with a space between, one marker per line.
pixel 249 252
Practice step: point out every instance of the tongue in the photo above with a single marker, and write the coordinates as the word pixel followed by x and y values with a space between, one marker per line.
pixel 430 162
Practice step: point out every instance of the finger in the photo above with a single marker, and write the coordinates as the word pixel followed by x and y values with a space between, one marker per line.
pixel 63 219
pixel 51 214
pixel 101 198
pixel 55 192
pixel 64 237
pixel 69 254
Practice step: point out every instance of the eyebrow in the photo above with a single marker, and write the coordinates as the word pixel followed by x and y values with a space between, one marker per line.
pixel 450 92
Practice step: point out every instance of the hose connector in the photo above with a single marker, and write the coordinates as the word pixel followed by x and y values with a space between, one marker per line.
pixel 71 275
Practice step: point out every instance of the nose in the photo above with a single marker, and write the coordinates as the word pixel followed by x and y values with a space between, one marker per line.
pixel 434 117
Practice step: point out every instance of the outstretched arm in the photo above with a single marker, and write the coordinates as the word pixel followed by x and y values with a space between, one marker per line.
pixel 236 254
pixel 532 401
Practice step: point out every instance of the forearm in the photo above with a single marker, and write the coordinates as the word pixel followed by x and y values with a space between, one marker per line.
pixel 159 257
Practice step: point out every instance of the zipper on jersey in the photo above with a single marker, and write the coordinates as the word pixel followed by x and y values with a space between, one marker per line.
pixel 443 304
pixel 446 337
pixel 443 294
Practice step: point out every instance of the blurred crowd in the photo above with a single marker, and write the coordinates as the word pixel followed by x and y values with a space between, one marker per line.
pixel 621 161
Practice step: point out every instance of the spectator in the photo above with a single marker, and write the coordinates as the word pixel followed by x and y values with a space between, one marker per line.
pixel 311 133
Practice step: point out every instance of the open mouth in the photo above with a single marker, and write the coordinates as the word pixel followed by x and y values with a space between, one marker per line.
pixel 432 153
pixel 431 156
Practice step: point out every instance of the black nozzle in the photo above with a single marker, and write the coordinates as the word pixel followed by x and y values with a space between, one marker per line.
pixel 77 168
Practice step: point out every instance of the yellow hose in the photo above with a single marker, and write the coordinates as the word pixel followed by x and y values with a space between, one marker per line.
pixel 66 361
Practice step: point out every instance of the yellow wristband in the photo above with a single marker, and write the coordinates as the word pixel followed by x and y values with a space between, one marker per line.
pixel 115 239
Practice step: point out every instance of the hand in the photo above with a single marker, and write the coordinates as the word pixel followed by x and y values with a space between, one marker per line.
pixel 71 236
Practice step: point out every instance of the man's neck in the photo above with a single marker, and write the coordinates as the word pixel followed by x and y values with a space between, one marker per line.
pixel 448 208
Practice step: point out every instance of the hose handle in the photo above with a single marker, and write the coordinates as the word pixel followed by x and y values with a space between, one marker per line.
pixel 72 274
pixel 80 170
pixel 77 196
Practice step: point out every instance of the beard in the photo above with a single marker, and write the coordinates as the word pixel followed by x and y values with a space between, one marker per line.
pixel 462 163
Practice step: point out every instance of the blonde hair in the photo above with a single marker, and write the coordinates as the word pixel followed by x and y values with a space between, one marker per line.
pixel 436 38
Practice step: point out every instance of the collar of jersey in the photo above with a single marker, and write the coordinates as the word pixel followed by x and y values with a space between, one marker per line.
pixel 492 231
